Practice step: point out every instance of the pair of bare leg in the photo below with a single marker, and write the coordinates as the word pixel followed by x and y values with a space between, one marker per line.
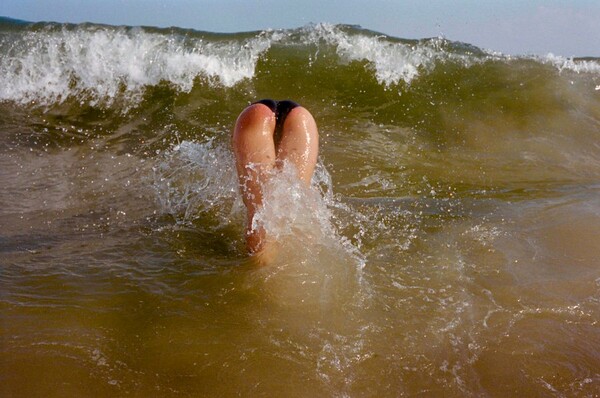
pixel 257 152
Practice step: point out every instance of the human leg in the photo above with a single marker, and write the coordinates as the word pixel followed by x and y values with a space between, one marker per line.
pixel 267 134
pixel 299 143
pixel 255 155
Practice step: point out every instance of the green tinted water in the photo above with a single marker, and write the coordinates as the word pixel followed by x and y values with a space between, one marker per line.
pixel 449 247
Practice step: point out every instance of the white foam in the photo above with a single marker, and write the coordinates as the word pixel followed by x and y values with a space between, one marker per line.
pixel 570 64
pixel 193 179
pixel 392 61
pixel 289 207
pixel 99 65
pixel 315 268
pixel 103 63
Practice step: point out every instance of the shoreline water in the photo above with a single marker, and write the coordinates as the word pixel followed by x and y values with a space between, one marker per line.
pixel 453 249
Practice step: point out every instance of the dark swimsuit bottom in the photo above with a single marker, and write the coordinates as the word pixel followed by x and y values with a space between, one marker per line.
pixel 281 109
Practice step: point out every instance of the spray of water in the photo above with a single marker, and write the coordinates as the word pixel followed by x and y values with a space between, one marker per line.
pixel 196 180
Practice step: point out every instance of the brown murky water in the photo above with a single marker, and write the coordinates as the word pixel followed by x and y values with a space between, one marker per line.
pixel 446 250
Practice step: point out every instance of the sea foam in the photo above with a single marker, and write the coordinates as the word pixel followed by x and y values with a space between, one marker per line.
pixel 104 65
pixel 392 61
pixel 100 63
pixel 571 64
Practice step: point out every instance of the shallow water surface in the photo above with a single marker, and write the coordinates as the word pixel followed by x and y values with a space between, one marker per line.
pixel 448 245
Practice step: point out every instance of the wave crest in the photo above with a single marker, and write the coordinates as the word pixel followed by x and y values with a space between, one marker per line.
pixel 112 66
pixel 103 63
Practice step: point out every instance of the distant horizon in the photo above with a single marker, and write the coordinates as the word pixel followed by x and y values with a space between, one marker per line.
pixel 565 28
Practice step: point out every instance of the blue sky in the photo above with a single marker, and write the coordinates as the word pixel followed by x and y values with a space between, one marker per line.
pixel 568 28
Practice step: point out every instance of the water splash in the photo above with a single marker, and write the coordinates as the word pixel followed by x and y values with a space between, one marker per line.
pixel 195 179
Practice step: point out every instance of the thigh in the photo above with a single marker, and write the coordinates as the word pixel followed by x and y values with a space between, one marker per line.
pixel 299 143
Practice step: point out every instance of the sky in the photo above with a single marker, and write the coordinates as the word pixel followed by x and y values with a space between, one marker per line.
pixel 567 28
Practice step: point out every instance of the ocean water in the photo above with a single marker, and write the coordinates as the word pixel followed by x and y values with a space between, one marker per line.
pixel 449 244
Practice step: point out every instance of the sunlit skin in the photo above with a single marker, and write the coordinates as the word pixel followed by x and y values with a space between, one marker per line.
pixel 257 152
